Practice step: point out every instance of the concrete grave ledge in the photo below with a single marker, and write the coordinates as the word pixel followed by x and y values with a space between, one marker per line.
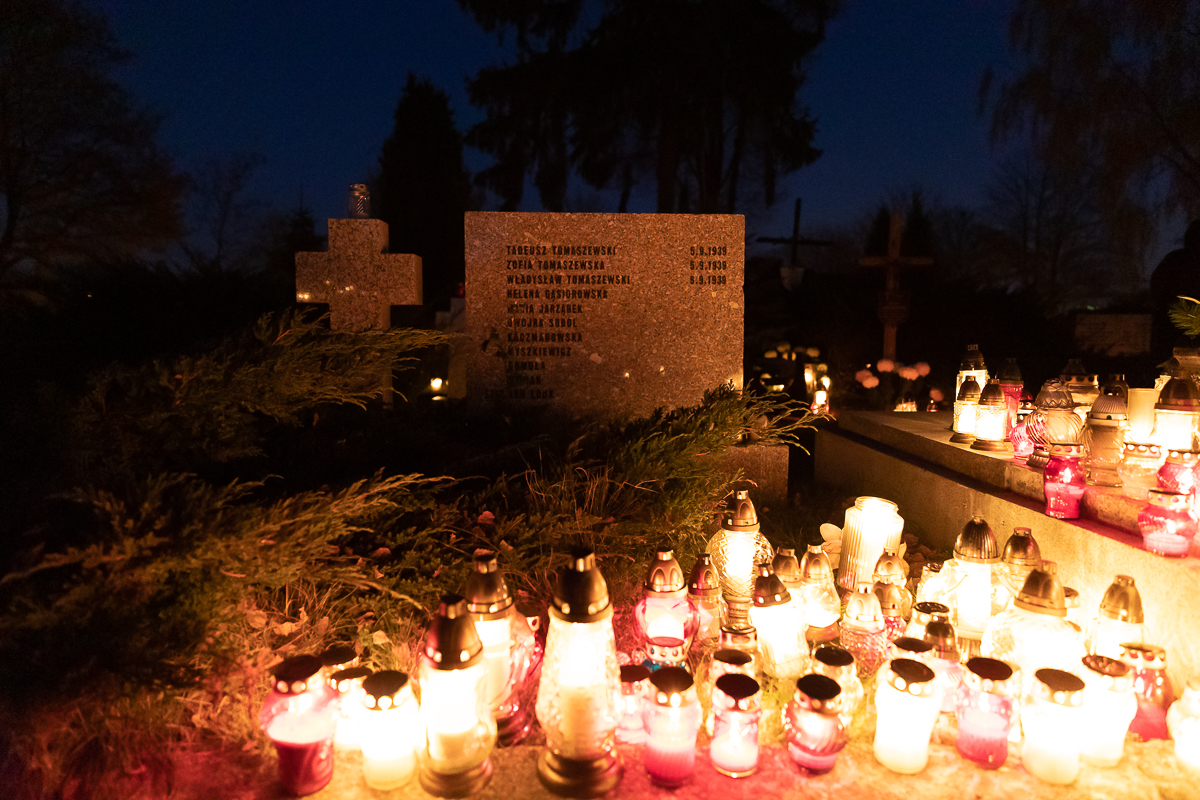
pixel 907 458
pixel 1148 771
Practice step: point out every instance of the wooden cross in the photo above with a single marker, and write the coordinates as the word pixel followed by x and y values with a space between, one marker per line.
pixel 893 304
pixel 357 277
pixel 795 240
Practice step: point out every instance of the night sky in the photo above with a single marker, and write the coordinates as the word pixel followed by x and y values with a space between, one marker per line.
pixel 312 86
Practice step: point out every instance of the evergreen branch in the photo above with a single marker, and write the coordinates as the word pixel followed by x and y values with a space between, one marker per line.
pixel 1185 315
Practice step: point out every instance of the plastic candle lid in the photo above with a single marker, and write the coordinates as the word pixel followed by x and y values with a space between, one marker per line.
pixel 990 675
pixel 703 581
pixel 580 593
pixel 741 638
pixel 910 677
pixel 1021 549
pixel 452 642
pixel 672 686
pixel 909 647
pixel 786 565
pixel 769 590
pixel 1042 594
pixel 740 515
pixel 838 661
pixel 339 656
pixel 940 635
pixel 292 675
pixel 1108 673
pixel 1058 687
pixel 487 593
pixel 665 576
pixel 977 543
pixel 736 658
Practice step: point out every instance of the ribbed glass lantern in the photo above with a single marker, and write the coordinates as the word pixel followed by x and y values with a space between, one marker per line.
pixel 1138 469
pixel 872 526
pixel 736 549
pixel 579 697
pixel 1053 420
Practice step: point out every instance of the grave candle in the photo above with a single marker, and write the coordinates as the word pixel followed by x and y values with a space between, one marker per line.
pixel 891 602
pixel 672 718
pixel 1053 420
pixel 1035 632
pixel 704 590
pixel 837 663
pixel 1184 721
pixel 1166 524
pixel 1011 383
pixel 1063 481
pixel 971 368
pixel 924 613
pixel 1120 620
pixel 1052 726
pixel 391 726
pixel 734 747
pixel 907 704
pixel 1178 472
pixel 1139 469
pixel 944 659
pixel 863 632
pixel 1104 440
pixel 298 717
pixel 822 607
pixel 579 696
pixel 1021 556
pixel 509 645
pixel 1021 442
pixel 786 567
pixel 348 683
pixel 976 555
pixel 1152 688
pixel 1175 415
pixel 991 418
pixel 665 617
pixel 815 733
pixel 985 709
pixel 1108 709
pixel 1140 405
pixel 635 688
pixel 735 550
pixel 725 661
pixel 780 627
pixel 966 412
pixel 460 731
pixel 892 570
pixel 872 525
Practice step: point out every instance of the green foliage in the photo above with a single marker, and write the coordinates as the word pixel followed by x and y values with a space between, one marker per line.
pixel 1185 315
pixel 210 408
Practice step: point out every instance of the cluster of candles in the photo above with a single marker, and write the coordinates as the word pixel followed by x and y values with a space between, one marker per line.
pixel 1079 434
pixel 755 614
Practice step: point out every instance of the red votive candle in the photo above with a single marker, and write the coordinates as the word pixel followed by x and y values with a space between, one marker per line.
pixel 985 710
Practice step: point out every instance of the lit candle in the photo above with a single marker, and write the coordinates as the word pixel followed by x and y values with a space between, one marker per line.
pixel 1064 481
pixel 1152 687
pixel 704 590
pixel 1166 524
pixel 872 525
pixel 734 746
pixel 299 717
pixel 722 662
pixel 1052 726
pixel 944 660
pixel 672 719
pixel 863 632
pixel 1121 619
pixel 815 733
pixel 985 709
pixel 348 683
pixel 1140 405
pixel 1184 721
pixel 391 728
pixel 976 556
pixel 1175 415
pixel 906 700
pixel 635 687
pixel 665 617
pixel 1108 708
pixel 837 663
pixel 735 550
pixel 780 627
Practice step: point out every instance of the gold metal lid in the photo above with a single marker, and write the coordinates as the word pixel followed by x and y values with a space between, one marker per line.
pixel 787 566
pixel 991 675
pixel 1107 673
pixel 927 611
pixel 737 692
pixel 732 657
pixel 1042 594
pixel 968 392
pixel 814 567
pixel 1179 394
pixel 665 576
pixel 581 594
pixel 1137 450
pixel 743 637
pixel 972 359
pixel 1185 458
pixel 451 642
pixel 862 607
pixel 768 589
pixel 1144 656
pixel 890 568
pixel 344 679
pixel 1010 373
pixel 940 636
pixel 1053 395
pixel 294 675
pixel 673 686
pixel 384 689
pixel 992 394
pixel 908 647
pixel 819 694
pixel 1123 602
pixel 977 543
pixel 833 661
pixel 1173 500
pixel 1021 550
pixel 891 599
pixel 1065 450
pixel 1058 687
pixel 704 581
pixel 910 677
pixel 487 593
pixel 1108 408
pixel 740 515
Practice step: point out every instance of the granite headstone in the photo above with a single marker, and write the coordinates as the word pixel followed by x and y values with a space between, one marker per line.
pixel 603 315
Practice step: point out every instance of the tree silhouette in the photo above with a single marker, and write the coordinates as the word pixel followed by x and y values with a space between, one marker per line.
pixel 699 96
pixel 422 188
pixel 1111 83
pixel 80 174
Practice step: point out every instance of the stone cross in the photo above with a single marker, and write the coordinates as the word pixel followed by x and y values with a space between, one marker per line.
pixel 357 277
pixel 893 304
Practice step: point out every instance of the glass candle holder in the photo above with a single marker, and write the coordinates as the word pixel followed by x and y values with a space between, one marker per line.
pixel 1021 442
pixel 1178 472
pixel 991 420
pixel 786 567
pixel 780 627
pixel 906 701
pixel 976 556
pixel 1166 524
pixel 391 731
pixel 944 660
pixel 892 603
pixel 509 646
pixel 1176 414
pixel 460 731
pixel 579 695
pixel 1011 383
pixel 1139 403
pixel 665 618
pixel 986 708
pixel 863 631
pixel 725 661
pixel 837 663
pixel 1183 718
pixel 635 688
pixel 966 411
pixel 1021 556
pixel 1104 441
pixel 348 683
pixel 299 716
pixel 1035 632
pixel 338 657
pixel 910 648
pixel 813 725
pixel 1120 620
pixel 1053 726
pixel 745 639
pixel 1152 689
pixel 736 550
pixel 1064 481
pixel 872 525
pixel 738 705
pixel 704 590
pixel 892 570
pixel 1138 469
pixel 822 606
pixel 1053 420
pixel 1109 707
pixel 923 613
pixel 672 717
pixel 971 367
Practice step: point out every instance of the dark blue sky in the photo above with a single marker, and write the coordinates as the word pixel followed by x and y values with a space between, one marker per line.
pixel 312 86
